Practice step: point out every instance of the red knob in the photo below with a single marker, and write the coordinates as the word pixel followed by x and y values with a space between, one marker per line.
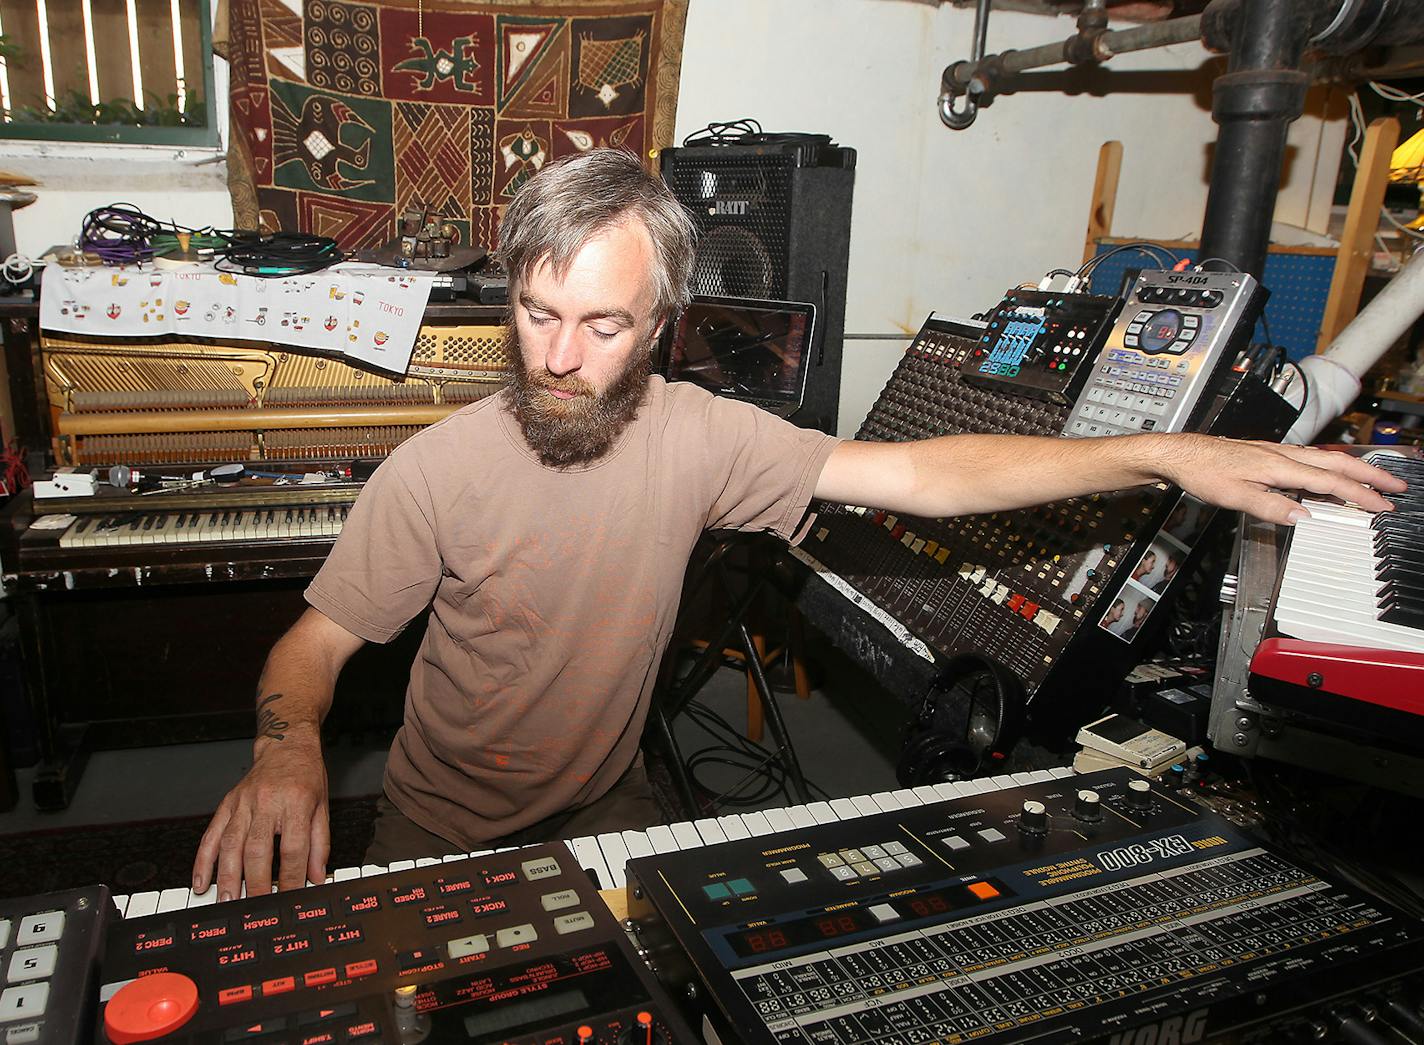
pixel 150 1007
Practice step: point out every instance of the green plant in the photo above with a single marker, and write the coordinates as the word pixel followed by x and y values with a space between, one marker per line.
pixel 76 108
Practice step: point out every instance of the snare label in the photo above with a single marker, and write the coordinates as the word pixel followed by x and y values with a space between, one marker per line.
pixel 1140 853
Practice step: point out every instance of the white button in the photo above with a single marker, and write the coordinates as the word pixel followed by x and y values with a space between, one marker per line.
pixel 4 931
pixel 883 913
pixel 558 901
pixel 40 928
pixel 842 873
pixel 24 1034
pixel 830 859
pixel 793 875
pixel 864 867
pixel 895 849
pixel 909 860
pixel 873 852
pixel 572 923
pixel 991 834
pixel 515 934
pixel 887 863
pixel 537 869
pixel 477 944
pixel 18 1003
pixel 955 843
pixel 37 963
pixel 852 856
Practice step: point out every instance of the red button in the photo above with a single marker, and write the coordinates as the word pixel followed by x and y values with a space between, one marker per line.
pixel 363 968
pixel 280 986
pixel 233 995
pixel 1015 601
pixel 1029 611
pixel 320 976
pixel 150 1007
pixel 983 890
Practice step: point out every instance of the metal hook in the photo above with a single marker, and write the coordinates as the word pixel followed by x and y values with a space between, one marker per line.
pixel 957 120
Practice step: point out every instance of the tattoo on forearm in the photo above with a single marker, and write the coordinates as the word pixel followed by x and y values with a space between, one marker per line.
pixel 268 724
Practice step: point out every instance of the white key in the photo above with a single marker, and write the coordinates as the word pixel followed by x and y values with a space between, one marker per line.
pixel 1021 778
pixel 866 804
pixel 345 874
pixel 885 802
pixel 141 904
pixel 907 798
pixel 427 861
pixel 173 899
pixel 686 835
pixel 1038 776
pixel 206 898
pixel 733 828
pixel 590 858
pixel 780 820
pixel 950 790
pixel 121 902
pixel 638 844
pixel 661 836
pixel 756 824
pixel 401 865
pixel 371 870
pixel 710 830
pixel 820 812
pixel 615 855
pixel 927 794
pixel 845 809
pixel 1059 772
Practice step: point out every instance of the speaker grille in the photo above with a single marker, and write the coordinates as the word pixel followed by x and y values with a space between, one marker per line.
pixel 741 205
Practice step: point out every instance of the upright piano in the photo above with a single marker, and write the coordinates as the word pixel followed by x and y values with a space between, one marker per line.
pixel 146 618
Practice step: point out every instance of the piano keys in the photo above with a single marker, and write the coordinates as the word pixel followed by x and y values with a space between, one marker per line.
pixel 197 526
pixel 1342 647
pixel 604 857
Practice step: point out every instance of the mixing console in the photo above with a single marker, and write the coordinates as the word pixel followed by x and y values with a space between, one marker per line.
pixel 1051 591
pixel 511 947
pixel 1097 908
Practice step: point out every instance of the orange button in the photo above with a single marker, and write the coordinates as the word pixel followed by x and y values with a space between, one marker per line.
pixel 364 968
pixel 150 1007
pixel 235 994
pixel 281 986
pixel 983 890
pixel 320 976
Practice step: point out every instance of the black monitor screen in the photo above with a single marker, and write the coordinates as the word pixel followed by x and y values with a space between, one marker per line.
pixel 744 350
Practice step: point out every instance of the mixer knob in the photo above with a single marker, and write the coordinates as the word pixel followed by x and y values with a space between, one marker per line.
pixel 1034 818
pixel 585 1035
pixel 1139 793
pixel 1087 806
pixel 643 1032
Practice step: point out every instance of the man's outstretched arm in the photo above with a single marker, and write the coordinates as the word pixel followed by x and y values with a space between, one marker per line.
pixel 970 474
pixel 284 793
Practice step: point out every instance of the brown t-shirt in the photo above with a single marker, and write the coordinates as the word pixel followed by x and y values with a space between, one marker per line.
pixel 553 592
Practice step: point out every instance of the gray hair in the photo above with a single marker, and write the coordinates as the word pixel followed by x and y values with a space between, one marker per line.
pixel 571 201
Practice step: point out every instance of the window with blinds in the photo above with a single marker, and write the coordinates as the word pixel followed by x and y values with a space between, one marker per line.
pixel 136 71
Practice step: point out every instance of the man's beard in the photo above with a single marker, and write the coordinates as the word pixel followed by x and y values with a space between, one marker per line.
pixel 564 432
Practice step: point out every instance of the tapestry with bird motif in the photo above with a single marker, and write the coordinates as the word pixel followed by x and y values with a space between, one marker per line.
pixel 344 114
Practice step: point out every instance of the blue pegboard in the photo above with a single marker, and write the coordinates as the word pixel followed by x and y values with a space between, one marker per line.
pixel 1299 285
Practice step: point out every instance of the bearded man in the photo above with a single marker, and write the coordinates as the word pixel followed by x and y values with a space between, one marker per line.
pixel 548 528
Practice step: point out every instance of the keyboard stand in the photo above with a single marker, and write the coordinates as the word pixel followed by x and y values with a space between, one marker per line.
pixel 675 695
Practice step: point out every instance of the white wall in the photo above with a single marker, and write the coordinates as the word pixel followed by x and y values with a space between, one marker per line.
pixel 949 220
pixel 942 220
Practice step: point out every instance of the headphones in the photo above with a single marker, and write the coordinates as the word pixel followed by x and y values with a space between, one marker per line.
pixel 970 714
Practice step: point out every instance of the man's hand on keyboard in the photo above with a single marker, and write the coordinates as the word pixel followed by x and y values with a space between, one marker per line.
pixel 1244 475
pixel 283 795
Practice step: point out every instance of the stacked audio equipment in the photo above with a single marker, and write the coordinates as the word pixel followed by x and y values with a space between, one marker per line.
pixel 1062 595
pixel 1093 909
pixel 513 947
pixel 773 220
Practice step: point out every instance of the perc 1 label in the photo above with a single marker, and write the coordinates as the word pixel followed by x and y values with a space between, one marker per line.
pixel 1139 854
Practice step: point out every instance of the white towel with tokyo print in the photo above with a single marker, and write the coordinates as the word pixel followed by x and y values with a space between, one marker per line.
pixel 367 313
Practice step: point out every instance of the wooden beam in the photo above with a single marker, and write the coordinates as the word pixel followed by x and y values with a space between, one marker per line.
pixel 1100 212
pixel 1361 222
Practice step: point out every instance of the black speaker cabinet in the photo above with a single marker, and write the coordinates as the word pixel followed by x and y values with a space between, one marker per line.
pixel 773 221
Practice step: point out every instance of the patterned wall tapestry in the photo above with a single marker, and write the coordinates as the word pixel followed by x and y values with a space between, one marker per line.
pixel 343 113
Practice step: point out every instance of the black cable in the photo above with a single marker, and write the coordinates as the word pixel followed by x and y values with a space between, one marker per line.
pixel 277 255
pixel 1143 246
pixel 722 133
pixel 1207 261
pixel 1304 384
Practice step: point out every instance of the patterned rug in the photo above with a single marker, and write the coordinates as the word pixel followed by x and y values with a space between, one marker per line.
pixel 147 854
pixel 345 113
